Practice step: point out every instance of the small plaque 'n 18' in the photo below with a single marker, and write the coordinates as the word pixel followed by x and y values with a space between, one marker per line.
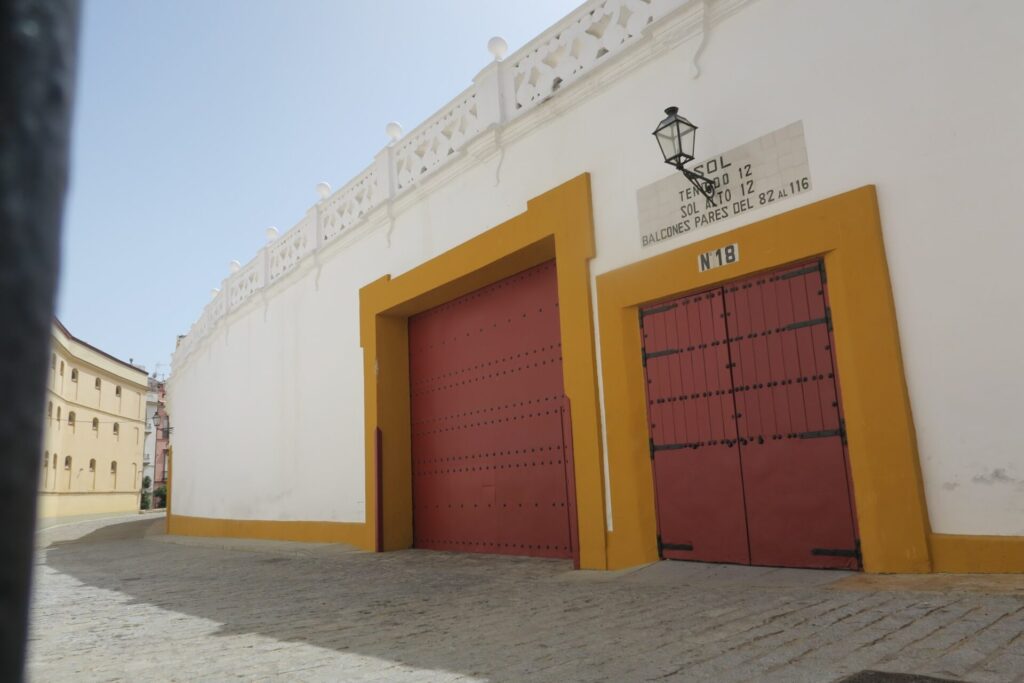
pixel 717 258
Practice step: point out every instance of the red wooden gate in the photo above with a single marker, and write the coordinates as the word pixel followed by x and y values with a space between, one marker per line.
pixel 767 370
pixel 698 483
pixel 487 406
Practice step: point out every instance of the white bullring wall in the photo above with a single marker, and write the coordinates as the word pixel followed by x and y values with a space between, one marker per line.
pixel 917 98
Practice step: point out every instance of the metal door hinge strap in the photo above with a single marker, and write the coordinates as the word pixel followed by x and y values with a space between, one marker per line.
pixel 659 309
pixel 670 446
pixel 821 435
pixel 837 552
pixel 651 443
pixel 676 546
pixel 803 271
pixel 807 323
pixel 655 354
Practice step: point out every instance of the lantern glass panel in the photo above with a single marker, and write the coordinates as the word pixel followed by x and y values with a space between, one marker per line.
pixel 669 141
pixel 675 137
pixel 687 138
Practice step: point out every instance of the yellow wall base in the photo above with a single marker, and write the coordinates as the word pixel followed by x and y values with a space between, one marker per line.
pixel 953 554
pixel 352 533
pixel 52 505
pixel 977 554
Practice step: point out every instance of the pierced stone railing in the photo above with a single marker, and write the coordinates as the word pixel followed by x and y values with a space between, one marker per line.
pixel 585 39
pixel 349 205
pixel 503 91
pixel 437 139
pixel 287 251
pixel 246 282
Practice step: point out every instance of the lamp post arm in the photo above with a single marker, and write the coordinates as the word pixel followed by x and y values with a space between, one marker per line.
pixel 704 185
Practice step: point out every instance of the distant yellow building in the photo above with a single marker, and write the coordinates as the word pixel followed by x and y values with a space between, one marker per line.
pixel 95 427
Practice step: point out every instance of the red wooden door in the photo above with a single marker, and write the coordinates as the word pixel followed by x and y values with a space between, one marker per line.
pixel 795 476
pixel 746 435
pixel 698 484
pixel 487 406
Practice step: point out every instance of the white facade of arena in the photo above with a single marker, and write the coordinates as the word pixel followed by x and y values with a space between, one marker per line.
pixel 921 100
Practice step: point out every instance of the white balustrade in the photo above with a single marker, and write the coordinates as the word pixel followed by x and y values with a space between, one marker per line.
pixel 218 305
pixel 246 282
pixel 584 40
pixel 504 90
pixel 432 143
pixel 287 251
pixel 350 204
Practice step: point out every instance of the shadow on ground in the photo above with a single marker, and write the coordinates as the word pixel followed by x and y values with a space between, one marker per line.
pixel 494 617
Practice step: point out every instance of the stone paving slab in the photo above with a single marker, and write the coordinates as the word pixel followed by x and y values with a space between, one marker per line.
pixel 118 601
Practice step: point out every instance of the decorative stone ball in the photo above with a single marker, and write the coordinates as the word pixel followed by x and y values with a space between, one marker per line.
pixel 394 130
pixel 497 47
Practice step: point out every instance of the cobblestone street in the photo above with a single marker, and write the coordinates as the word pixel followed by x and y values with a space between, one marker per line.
pixel 117 600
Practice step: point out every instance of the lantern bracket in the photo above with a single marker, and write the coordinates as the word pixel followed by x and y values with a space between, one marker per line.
pixel 704 185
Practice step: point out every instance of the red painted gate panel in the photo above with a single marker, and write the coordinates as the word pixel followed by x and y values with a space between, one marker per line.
pixel 487 406
pixel 791 440
pixel 697 477
pixel 756 365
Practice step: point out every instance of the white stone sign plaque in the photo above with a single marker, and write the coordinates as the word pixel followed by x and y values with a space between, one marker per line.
pixel 766 170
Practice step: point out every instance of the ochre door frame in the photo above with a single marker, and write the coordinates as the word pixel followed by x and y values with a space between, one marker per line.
pixel 556 225
pixel 845 230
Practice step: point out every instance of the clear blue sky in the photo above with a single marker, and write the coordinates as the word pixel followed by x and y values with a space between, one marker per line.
pixel 198 123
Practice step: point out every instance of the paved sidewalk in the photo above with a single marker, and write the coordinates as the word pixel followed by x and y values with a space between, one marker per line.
pixel 46 523
pixel 118 600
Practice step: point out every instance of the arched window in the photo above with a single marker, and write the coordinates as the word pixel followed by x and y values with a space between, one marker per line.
pixel 95 424
pixel 117 429
pixel 113 467
pixel 58 413
pixel 71 418
pixel 46 460
pixel 49 409
pixel 62 368
pixel 74 375
pixel 98 383
pixel 117 391
pixel 92 465
pixel 113 473
pixel 54 461
pixel 67 462
pixel 53 361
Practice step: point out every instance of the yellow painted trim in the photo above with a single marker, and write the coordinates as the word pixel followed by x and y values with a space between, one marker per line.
pixel 891 510
pixel 300 531
pixel 557 224
pixel 977 554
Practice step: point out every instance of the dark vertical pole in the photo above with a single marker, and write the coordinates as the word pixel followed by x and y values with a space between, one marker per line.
pixel 37 62
pixel 380 490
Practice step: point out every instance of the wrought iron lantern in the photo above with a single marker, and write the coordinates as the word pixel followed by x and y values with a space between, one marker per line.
pixel 676 137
